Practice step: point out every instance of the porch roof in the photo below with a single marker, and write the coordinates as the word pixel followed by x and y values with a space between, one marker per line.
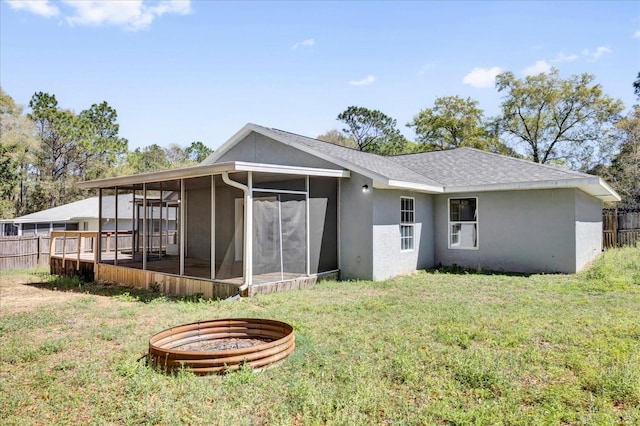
pixel 208 170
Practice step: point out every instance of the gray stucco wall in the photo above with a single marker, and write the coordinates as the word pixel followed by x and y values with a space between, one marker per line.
pixel 258 148
pixel 356 228
pixel 388 259
pixel 519 231
pixel 588 228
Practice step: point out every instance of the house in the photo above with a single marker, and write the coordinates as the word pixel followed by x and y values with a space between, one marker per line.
pixel 271 210
pixel 82 215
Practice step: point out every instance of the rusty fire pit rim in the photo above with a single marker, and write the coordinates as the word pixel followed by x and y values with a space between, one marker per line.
pixel 288 334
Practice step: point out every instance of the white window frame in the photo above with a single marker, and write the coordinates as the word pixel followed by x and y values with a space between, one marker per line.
pixel 458 226
pixel 407 242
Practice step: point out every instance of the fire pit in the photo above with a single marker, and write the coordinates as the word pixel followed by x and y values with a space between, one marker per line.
pixel 218 346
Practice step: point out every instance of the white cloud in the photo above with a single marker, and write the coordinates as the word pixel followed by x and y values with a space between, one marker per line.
pixel 305 43
pixel 597 53
pixel 37 7
pixel 637 34
pixel 364 82
pixel 537 68
pixel 132 15
pixel 482 77
pixel 565 58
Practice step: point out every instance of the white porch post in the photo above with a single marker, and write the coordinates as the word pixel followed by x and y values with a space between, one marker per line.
pixel 307 227
pixel 248 231
pixel 133 226
pixel 160 227
pixel 115 259
pixel 182 224
pixel 99 238
pixel 213 227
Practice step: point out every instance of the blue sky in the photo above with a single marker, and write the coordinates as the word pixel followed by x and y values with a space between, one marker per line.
pixel 180 71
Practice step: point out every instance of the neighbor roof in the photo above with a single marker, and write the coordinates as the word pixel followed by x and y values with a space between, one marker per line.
pixel 450 171
pixel 83 209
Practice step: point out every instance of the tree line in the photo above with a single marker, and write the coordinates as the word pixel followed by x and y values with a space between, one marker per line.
pixel 543 118
pixel 44 153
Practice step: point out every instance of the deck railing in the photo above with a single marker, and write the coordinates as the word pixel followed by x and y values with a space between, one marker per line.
pixel 78 245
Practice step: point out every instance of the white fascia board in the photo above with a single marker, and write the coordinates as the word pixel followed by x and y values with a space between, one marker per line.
pixel 44 220
pixel 398 184
pixel 207 170
pixel 593 186
pixel 290 170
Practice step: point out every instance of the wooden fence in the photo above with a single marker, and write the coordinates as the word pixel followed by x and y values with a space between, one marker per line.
pixel 24 252
pixel 621 227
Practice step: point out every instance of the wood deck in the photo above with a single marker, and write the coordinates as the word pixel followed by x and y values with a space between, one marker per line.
pixel 163 275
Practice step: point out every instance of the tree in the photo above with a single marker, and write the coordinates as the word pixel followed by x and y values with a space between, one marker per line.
pixel 336 137
pixel 372 131
pixel 17 143
pixel 451 123
pixel 559 120
pixel 70 148
pixel 624 172
pixel 102 148
pixel 152 158
pixel 636 86
pixel 455 122
pixel 58 133
pixel 197 152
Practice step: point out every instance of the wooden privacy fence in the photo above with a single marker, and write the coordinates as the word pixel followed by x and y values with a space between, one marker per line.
pixel 621 227
pixel 24 252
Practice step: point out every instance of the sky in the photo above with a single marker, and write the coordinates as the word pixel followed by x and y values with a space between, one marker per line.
pixel 183 71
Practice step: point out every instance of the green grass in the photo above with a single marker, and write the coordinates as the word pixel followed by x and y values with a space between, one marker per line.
pixel 437 347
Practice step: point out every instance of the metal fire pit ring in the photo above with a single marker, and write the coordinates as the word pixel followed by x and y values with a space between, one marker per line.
pixel 221 345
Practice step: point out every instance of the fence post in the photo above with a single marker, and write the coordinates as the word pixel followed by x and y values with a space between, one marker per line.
pixel 615 228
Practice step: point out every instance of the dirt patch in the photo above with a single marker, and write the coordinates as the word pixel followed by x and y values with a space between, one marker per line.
pixel 222 344
pixel 18 294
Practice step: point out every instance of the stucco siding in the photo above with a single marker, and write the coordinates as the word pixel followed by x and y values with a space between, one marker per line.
pixel 388 258
pixel 519 231
pixel 356 228
pixel 588 228
pixel 258 148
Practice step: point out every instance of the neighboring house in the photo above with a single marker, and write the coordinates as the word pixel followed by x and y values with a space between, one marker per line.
pixel 82 215
pixel 320 208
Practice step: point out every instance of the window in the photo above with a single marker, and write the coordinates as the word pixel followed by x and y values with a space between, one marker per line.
pixel 463 223
pixel 407 221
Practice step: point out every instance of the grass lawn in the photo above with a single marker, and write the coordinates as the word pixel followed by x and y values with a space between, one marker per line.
pixel 437 347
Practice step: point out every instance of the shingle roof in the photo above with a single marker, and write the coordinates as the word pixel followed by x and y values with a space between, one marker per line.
pixel 82 209
pixel 469 166
pixel 456 170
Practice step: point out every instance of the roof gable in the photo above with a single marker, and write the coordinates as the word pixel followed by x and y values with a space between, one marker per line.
pixel 382 170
